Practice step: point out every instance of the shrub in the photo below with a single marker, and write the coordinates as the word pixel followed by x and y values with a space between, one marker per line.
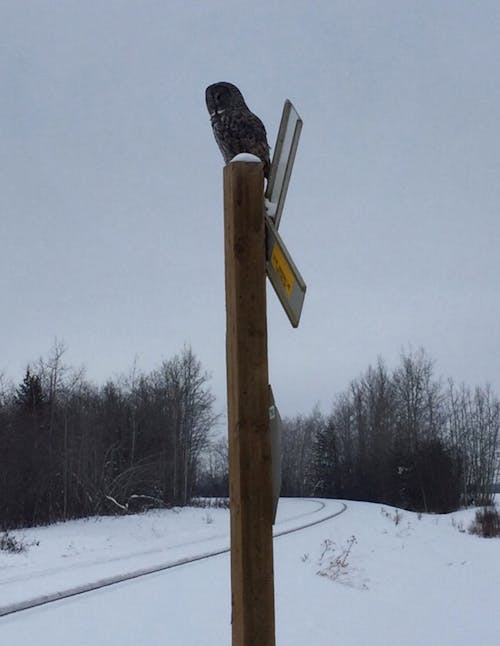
pixel 334 560
pixel 210 503
pixel 486 522
pixel 395 517
pixel 9 543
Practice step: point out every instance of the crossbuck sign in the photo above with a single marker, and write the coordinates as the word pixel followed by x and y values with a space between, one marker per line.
pixel 281 270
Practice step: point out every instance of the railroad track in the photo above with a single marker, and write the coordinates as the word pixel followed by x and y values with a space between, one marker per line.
pixel 42 600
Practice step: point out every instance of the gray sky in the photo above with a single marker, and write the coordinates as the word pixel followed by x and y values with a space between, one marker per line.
pixel 111 183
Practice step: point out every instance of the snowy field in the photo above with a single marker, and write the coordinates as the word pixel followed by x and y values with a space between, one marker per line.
pixel 371 575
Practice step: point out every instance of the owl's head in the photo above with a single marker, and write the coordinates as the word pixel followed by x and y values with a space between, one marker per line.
pixel 221 96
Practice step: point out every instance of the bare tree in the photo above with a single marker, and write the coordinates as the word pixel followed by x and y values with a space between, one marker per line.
pixel 182 387
pixel 297 462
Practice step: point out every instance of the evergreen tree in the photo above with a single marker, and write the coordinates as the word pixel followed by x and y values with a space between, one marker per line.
pixel 29 395
pixel 326 472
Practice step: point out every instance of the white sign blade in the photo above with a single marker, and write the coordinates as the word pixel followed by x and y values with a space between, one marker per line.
pixel 282 164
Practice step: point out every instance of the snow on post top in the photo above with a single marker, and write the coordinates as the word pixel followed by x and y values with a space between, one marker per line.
pixel 246 157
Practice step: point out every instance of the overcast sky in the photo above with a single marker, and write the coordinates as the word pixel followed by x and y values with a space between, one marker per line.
pixel 111 183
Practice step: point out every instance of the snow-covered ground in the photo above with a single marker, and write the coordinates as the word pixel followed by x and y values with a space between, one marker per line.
pixel 384 578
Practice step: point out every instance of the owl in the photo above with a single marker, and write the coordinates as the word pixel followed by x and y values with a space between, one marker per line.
pixel 236 129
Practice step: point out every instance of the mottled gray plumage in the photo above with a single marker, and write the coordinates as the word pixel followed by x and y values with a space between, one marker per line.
pixel 236 129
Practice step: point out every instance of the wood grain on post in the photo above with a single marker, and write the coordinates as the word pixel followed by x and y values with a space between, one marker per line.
pixel 250 472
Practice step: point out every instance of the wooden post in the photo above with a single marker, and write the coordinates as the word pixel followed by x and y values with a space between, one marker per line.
pixel 250 471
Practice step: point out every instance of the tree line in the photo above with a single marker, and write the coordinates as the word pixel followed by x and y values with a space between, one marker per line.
pixel 402 438
pixel 69 448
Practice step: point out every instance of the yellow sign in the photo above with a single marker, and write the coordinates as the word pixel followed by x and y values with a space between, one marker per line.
pixel 283 274
pixel 282 268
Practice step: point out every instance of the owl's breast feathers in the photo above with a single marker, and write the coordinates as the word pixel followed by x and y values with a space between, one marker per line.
pixel 241 131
